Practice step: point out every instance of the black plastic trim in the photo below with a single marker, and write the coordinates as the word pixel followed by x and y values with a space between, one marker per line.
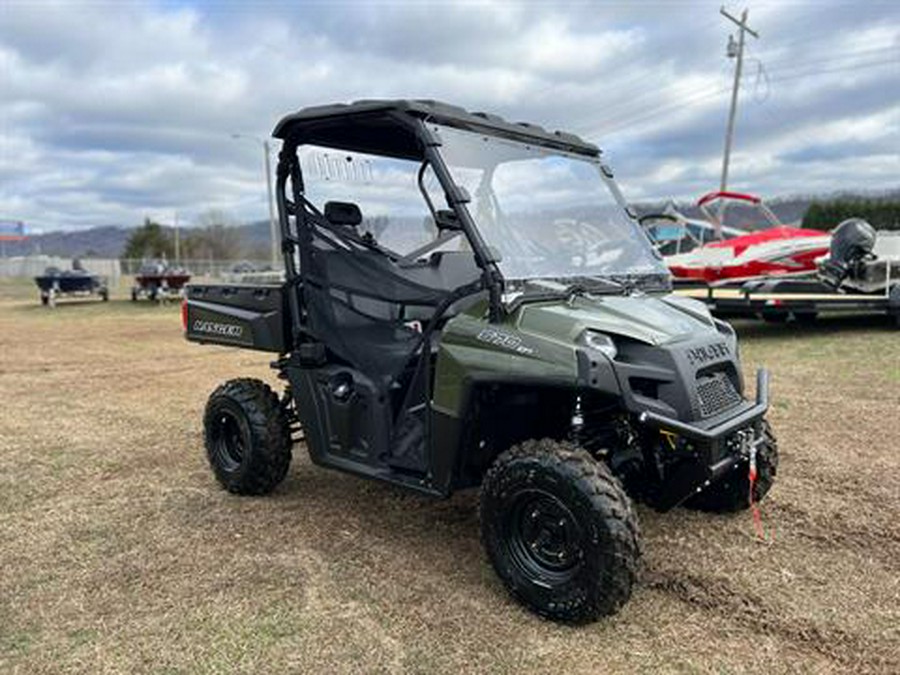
pixel 715 433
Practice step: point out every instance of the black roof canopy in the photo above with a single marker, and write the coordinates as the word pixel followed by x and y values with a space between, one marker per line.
pixel 382 127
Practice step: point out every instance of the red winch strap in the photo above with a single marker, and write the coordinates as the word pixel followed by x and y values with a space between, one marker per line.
pixel 754 507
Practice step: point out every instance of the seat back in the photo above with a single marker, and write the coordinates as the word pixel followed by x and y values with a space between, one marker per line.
pixel 343 213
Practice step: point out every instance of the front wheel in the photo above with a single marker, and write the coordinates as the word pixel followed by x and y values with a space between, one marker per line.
pixel 560 531
pixel 248 437
pixel 732 493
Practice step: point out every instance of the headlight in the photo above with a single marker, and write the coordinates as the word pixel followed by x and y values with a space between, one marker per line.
pixel 600 342
pixel 728 331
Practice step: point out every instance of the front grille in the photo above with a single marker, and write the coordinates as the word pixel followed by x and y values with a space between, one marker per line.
pixel 716 393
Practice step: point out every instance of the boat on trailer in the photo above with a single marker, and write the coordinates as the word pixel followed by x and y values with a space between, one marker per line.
pixel 158 281
pixel 731 255
pixel 55 283
pixel 859 275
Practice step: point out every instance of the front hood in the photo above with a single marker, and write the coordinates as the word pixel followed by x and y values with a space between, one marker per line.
pixel 654 320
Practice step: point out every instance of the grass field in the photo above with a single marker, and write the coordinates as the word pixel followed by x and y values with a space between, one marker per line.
pixel 120 554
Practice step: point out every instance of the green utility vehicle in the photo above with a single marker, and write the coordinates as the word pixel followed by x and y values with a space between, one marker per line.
pixel 470 302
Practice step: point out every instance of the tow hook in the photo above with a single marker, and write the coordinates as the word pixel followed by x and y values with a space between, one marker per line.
pixel 748 444
pixel 752 456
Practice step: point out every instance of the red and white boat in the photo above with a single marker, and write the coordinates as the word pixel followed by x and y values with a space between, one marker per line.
pixel 776 250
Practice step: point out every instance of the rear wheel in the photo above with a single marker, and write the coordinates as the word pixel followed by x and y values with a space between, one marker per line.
pixel 560 531
pixel 732 493
pixel 248 437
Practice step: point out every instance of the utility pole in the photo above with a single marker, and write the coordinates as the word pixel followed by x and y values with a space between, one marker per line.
pixel 177 242
pixel 739 53
pixel 273 226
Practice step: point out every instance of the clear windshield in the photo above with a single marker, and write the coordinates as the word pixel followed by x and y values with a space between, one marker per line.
pixel 549 214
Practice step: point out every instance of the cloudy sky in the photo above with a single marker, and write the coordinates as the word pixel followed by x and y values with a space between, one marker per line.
pixel 114 111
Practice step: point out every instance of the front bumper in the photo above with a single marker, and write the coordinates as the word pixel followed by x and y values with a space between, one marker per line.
pixel 716 433
pixel 715 457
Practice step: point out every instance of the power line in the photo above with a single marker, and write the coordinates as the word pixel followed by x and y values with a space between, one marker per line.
pixel 792 75
pixel 706 95
pixel 628 83
pixel 672 105
pixel 848 58
pixel 632 113
pixel 633 109
pixel 629 111
pixel 780 45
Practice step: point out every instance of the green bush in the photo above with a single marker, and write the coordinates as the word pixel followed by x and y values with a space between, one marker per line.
pixel 151 240
pixel 882 214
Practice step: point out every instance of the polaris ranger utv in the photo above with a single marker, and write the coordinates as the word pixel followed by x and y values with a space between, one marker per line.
pixel 470 302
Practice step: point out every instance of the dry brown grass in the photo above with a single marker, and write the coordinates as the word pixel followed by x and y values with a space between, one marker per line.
pixel 119 554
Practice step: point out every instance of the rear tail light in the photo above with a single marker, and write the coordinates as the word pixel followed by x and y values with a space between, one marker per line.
pixel 184 315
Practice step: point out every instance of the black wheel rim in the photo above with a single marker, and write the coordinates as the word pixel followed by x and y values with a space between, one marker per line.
pixel 543 538
pixel 229 440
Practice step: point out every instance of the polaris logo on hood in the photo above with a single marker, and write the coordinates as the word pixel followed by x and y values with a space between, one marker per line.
pixel 697 356
pixel 228 330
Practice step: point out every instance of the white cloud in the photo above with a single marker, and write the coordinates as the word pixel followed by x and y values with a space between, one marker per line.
pixel 110 112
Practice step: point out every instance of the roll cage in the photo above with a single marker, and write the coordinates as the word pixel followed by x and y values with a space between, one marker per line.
pixel 395 129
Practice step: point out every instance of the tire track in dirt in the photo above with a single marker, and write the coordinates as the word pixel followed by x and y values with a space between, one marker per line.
pixel 719 596
pixel 871 539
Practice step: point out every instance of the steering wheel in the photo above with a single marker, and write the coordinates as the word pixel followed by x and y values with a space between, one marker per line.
pixel 656 216
pixel 582 239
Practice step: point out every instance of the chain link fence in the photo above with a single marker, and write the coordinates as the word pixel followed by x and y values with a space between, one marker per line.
pixel 36 265
pixel 217 269
pixel 113 269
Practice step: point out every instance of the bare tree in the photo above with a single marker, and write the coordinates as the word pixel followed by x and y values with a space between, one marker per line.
pixel 216 238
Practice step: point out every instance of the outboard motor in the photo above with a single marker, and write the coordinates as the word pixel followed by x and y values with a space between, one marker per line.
pixel 852 243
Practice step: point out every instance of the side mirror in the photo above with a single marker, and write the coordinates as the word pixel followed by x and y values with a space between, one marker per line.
pixel 447 221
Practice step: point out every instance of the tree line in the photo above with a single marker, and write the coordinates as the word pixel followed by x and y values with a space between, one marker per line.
pixel 882 214
pixel 216 238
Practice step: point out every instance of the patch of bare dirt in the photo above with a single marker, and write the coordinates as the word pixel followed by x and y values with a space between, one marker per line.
pixel 120 554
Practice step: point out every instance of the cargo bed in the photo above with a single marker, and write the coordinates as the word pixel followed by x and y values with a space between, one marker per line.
pixel 252 316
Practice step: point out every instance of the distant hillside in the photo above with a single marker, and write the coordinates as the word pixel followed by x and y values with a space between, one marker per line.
pixel 96 242
pixel 109 242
